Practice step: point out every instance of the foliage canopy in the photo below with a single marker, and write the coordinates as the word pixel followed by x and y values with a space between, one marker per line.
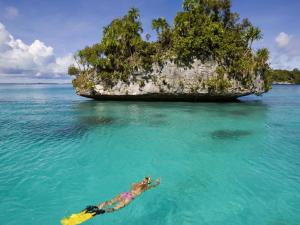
pixel 204 30
pixel 277 76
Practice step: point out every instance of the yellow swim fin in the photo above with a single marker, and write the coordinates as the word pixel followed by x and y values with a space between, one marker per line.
pixel 78 218
pixel 83 216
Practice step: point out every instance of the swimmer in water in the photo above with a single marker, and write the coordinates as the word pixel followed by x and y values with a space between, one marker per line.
pixel 125 198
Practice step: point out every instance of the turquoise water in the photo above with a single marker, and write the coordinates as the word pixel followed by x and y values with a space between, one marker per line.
pixel 233 163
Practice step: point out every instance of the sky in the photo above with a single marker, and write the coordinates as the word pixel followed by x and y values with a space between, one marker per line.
pixel 38 38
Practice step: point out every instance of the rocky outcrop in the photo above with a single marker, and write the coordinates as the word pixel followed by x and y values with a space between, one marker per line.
pixel 173 83
pixel 282 83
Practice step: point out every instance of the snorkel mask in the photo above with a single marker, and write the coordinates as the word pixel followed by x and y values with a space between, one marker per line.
pixel 149 181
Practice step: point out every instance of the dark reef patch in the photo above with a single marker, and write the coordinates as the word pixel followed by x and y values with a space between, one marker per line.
pixel 279 125
pixel 56 130
pixel 159 115
pixel 97 120
pixel 156 123
pixel 157 120
pixel 240 112
pixel 83 125
pixel 43 129
pixel 69 131
pixel 230 134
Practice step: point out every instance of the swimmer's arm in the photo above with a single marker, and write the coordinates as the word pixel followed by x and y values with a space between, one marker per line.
pixel 157 182
pixel 134 185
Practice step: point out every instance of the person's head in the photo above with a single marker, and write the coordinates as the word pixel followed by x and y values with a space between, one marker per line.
pixel 146 181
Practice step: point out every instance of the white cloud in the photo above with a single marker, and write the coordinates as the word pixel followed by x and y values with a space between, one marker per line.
pixel 11 12
pixel 286 54
pixel 282 61
pixel 283 40
pixel 35 59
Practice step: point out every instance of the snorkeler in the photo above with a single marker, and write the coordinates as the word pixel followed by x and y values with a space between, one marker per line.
pixel 116 203
pixel 125 198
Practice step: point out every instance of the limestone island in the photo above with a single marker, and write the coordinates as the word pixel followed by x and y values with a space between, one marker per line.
pixel 206 55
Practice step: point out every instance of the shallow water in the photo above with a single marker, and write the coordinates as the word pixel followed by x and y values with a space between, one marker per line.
pixel 231 163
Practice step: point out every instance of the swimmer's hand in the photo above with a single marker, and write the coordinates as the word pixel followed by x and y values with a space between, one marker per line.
pixel 157 181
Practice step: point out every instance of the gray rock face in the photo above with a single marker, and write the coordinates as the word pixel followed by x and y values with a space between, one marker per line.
pixel 197 83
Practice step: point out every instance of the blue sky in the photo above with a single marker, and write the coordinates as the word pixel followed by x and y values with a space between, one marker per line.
pixel 45 34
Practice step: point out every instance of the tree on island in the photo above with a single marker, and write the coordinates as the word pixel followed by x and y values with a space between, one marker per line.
pixel 284 76
pixel 204 30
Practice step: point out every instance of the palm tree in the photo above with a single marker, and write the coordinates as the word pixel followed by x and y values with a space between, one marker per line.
pixel 160 25
pixel 163 32
pixel 134 22
pixel 190 4
pixel 134 14
pixel 253 34
pixel 262 56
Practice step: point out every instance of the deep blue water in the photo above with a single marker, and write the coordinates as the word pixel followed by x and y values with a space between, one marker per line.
pixel 220 164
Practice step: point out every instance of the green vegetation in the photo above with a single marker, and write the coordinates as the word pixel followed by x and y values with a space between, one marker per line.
pixel 204 30
pixel 83 82
pixel 277 76
pixel 73 71
pixel 218 85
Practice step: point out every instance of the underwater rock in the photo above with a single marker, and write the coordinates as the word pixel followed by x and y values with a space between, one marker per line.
pixel 159 115
pixel 97 120
pixel 240 112
pixel 230 134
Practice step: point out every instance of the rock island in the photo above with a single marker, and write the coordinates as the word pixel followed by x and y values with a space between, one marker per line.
pixel 205 55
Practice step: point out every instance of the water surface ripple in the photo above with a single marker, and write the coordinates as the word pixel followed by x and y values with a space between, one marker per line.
pixel 221 164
